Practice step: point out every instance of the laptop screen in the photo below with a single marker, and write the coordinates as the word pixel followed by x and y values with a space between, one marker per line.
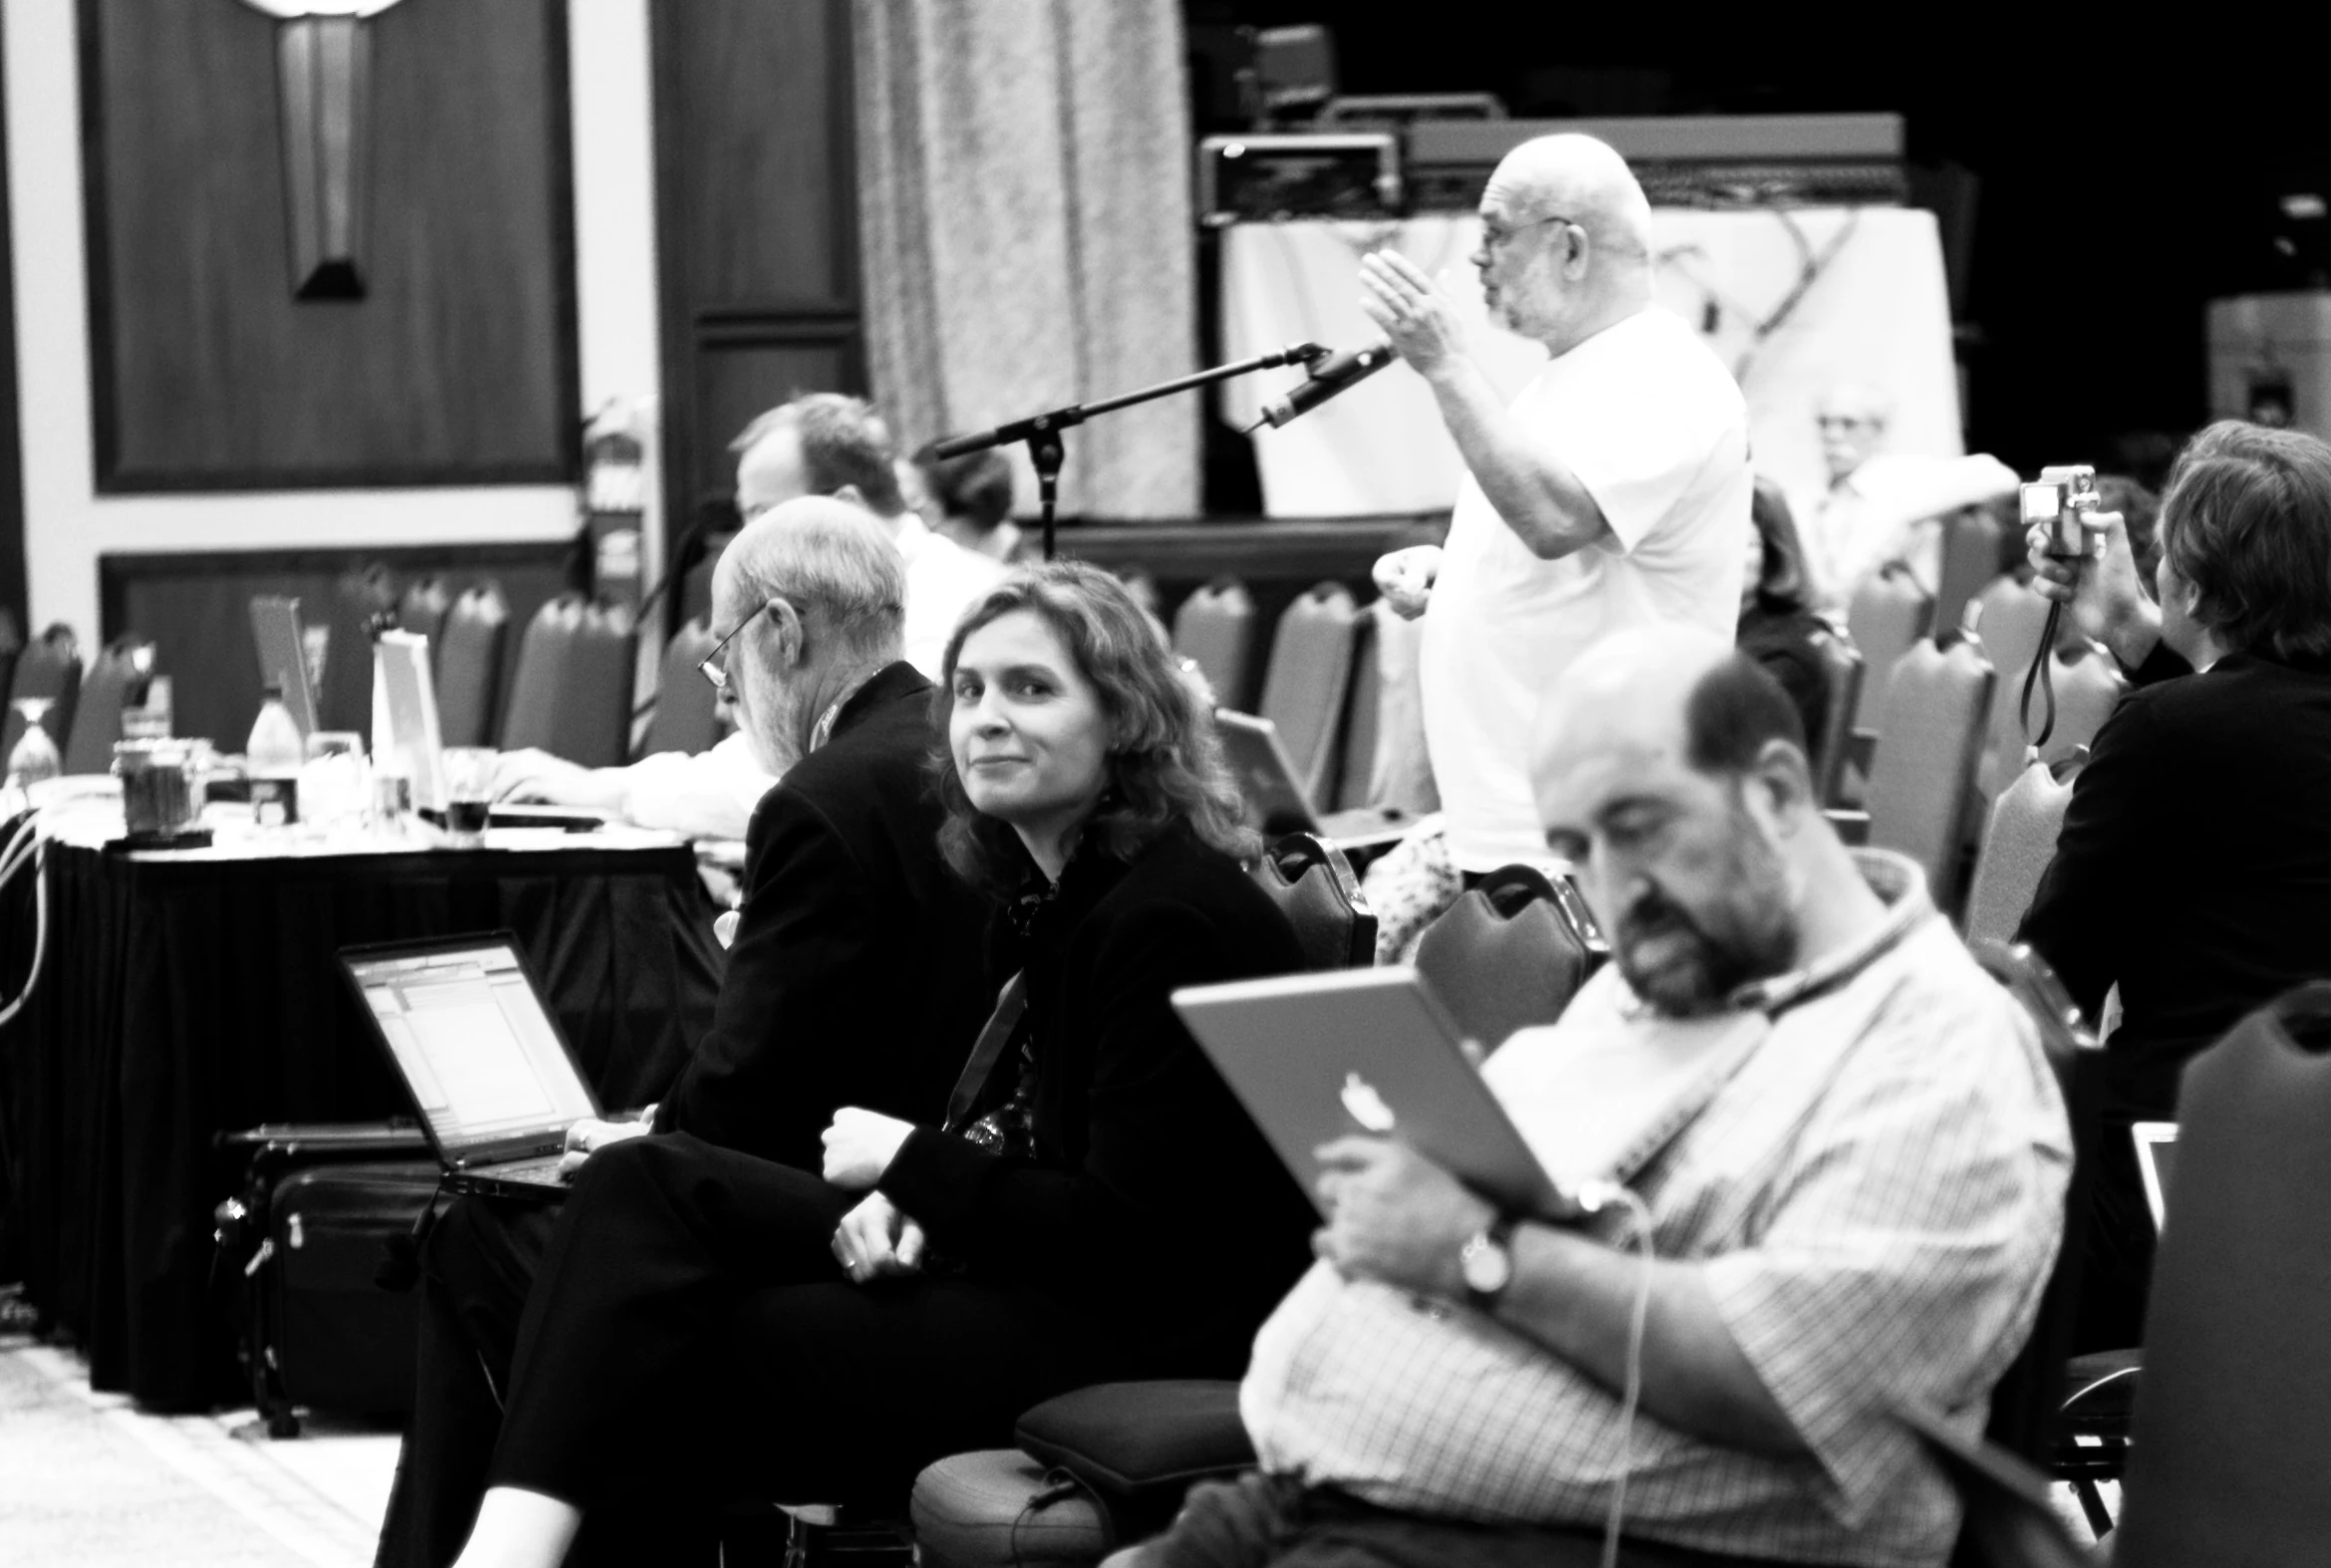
pixel 483 1060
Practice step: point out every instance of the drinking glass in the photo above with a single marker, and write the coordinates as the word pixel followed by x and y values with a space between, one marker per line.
pixel 470 790
pixel 333 791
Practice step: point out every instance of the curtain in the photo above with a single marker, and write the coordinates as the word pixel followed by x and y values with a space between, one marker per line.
pixel 1026 231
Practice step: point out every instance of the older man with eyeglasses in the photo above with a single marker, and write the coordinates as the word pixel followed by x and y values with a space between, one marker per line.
pixel 823 443
pixel 856 975
pixel 1612 493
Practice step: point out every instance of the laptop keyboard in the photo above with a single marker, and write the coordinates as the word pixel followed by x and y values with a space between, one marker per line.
pixel 545 1170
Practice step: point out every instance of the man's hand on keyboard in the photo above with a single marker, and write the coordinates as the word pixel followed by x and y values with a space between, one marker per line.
pixel 589 1136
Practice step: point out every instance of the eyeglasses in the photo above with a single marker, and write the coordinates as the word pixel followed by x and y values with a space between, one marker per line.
pixel 714 668
pixel 1492 237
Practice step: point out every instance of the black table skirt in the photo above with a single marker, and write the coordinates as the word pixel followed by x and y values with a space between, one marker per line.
pixel 183 998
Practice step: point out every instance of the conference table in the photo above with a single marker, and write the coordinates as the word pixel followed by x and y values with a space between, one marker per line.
pixel 191 992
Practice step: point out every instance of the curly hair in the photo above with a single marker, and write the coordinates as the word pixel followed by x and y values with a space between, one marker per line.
pixel 1166 761
pixel 2247 522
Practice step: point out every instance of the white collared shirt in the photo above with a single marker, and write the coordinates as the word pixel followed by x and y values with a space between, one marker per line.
pixel 942 581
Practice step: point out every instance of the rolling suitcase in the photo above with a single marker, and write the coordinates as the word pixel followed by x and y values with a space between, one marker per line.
pixel 305 1241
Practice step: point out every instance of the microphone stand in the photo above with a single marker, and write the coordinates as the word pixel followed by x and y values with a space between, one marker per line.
pixel 1041 432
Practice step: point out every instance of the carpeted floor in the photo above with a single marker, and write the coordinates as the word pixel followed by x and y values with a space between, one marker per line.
pixel 88 1481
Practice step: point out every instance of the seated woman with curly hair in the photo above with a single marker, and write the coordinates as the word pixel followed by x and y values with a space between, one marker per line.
pixel 708 1325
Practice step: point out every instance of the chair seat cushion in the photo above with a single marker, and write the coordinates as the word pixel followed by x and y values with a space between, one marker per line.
pixel 999 1507
pixel 1141 1445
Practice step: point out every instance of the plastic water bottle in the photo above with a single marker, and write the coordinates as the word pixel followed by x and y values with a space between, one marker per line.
pixel 273 756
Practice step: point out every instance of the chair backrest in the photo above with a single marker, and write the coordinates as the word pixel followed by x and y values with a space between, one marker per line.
pixel 2088 689
pixel 97 718
pixel 2026 1401
pixel 1969 560
pixel 48 666
pixel 1315 886
pixel 422 611
pixel 2228 1450
pixel 1309 673
pixel 1845 667
pixel 1216 627
pixel 11 645
pixel 573 692
pixel 1889 613
pixel 1922 773
pixel 1510 952
pixel 2018 846
pixel 469 665
pixel 2010 617
pixel 687 710
pixel 361 600
pixel 1363 720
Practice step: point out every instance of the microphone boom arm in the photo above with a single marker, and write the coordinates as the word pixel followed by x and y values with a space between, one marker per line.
pixel 1041 432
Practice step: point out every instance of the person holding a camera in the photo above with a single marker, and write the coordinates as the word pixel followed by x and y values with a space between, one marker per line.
pixel 2195 865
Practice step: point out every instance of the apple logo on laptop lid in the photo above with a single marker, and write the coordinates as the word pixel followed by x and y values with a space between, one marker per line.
pixel 1365 1106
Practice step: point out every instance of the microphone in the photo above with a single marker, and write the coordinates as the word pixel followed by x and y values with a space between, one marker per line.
pixel 1328 377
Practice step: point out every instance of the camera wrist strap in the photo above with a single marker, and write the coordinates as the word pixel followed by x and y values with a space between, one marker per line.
pixel 2042 675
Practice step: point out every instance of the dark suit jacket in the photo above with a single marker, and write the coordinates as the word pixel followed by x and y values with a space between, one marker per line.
pixel 858 974
pixel 2194 865
pixel 1151 1203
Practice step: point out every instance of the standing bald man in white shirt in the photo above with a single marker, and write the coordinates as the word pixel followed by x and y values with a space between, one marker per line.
pixel 1612 493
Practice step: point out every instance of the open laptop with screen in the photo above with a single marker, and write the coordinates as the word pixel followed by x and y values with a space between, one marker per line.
pixel 482 1057
pixel 2157 1151
pixel 1316 1056
pixel 283 660
pixel 1276 800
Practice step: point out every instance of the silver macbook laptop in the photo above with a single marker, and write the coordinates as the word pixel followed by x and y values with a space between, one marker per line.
pixel 2157 1151
pixel 1314 1057
pixel 1276 800
pixel 481 1056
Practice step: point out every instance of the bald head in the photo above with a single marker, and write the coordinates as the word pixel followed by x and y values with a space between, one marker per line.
pixel 1670 772
pixel 1565 240
pixel 1583 180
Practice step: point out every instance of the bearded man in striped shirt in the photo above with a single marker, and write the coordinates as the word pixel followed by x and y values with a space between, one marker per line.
pixel 1865 1212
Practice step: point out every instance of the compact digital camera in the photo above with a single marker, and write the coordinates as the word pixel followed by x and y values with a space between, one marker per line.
pixel 2060 497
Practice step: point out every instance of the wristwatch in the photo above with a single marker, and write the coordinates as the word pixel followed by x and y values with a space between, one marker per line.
pixel 1487 1263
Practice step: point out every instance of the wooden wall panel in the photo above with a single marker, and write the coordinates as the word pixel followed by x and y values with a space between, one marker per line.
pixel 757 230
pixel 458 367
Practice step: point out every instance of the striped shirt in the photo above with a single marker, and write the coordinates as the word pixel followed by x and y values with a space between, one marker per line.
pixel 1876 1196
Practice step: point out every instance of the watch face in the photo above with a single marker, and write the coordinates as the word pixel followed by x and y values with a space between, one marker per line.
pixel 1486 1265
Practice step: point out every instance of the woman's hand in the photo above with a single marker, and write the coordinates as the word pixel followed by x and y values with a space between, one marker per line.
pixel 859 1147
pixel 1406 577
pixel 875 1241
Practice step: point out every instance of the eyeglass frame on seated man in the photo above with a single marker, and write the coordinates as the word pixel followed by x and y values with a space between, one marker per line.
pixel 710 666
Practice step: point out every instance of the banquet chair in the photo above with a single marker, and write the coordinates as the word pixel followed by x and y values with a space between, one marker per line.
pixel 1888 616
pixel 2088 689
pixel 363 599
pixel 1307 679
pixel 1509 954
pixel 49 667
pixel 687 710
pixel 11 645
pixel 1363 722
pixel 469 665
pixel 572 695
pixel 1969 560
pixel 1843 667
pixel 2018 846
pixel 97 717
pixel 1921 775
pixel 422 610
pixel 2227 1456
pixel 2007 617
pixel 1314 885
pixel 1216 627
